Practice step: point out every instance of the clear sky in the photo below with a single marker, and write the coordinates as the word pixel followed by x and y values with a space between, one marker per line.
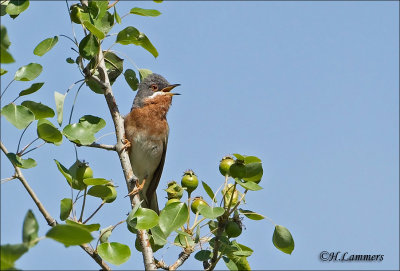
pixel 311 88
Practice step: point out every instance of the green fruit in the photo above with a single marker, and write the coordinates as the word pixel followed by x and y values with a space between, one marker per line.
pixel 237 170
pixel 174 191
pixel 79 171
pixel 197 203
pixel 76 13
pixel 113 195
pixel 189 181
pixel 171 201
pixel 225 165
pixel 233 229
pixel 227 192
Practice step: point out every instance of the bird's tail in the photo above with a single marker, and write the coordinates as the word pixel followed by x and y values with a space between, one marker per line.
pixel 150 202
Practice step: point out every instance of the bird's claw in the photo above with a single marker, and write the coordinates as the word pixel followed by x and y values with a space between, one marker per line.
pixel 137 189
pixel 127 144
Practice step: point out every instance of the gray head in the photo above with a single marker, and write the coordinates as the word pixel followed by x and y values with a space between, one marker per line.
pixel 149 86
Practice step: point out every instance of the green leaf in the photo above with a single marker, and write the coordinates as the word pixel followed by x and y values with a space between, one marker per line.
pixel 99 191
pixel 64 171
pixel 28 72
pixel 83 132
pixel 144 73
pixel 183 241
pixel 18 115
pixel 251 159
pixel 20 162
pixel 65 208
pixel 59 98
pixel 105 233
pixel 145 12
pixel 128 35
pixel 89 47
pixel 116 16
pixel 88 227
pixel 104 23
pixel 230 264
pixel 114 66
pixel 30 229
pixel 95 31
pixel 4 40
pixel 33 88
pixel 283 240
pixel 45 46
pixel 239 156
pixel 131 79
pixel 209 191
pixel 16 7
pixel 40 110
pixel 130 220
pixel 254 172
pixel 203 255
pixel 114 253
pixel 146 219
pixel 94 86
pixel 11 253
pixel 172 217
pixel 211 212
pixel 158 236
pixel 242 249
pixel 197 237
pixel 70 60
pixel 95 181
pixel 48 132
pixel 2 71
pixel 252 215
pixel 249 185
pixel 144 41
pixel 5 56
pixel 158 1
pixel 69 235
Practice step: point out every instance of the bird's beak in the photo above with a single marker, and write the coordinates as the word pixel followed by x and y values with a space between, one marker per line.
pixel 169 88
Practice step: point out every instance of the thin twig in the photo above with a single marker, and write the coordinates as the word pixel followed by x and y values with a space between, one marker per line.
pixel 50 220
pixel 83 204
pixel 73 105
pixel 37 147
pixel 27 146
pixel 100 146
pixel 4 91
pixel 98 208
pixel 113 4
pixel 8 179
pixel 20 138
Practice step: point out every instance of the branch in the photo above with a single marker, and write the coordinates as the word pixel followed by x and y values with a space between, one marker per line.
pixel 100 146
pixel 183 256
pixel 130 178
pixel 50 220
pixel 113 4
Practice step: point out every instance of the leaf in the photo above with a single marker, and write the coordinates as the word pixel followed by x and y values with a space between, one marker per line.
pixel 88 227
pixel 114 65
pixel 92 123
pixel 105 233
pixel 104 23
pixel 33 88
pixel 64 171
pixel 249 185
pixel 242 249
pixel 4 40
pixel 65 208
pixel 283 240
pixel 130 220
pixel 69 235
pixel 144 73
pixel 16 7
pixel 95 181
pixel 209 191
pixel 89 47
pixel 211 212
pixel 99 191
pixel 28 72
pixel 40 110
pixel 59 98
pixel 30 229
pixel 254 172
pixel 94 30
pixel 11 253
pixel 5 56
pixel 48 132
pixel 128 35
pixel 183 241
pixel 20 162
pixel 172 217
pixel 45 46
pixel 230 264
pixel 146 219
pixel 18 115
pixel 145 12
pixel 251 159
pixel 158 236
pixel 131 79
pixel 144 41
pixel 116 16
pixel 252 215
pixel 239 156
pixel 94 86
pixel 2 71
pixel 83 132
pixel 203 255
pixel 114 252
pixel 70 60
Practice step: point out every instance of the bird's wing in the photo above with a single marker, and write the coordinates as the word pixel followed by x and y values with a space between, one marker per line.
pixel 157 173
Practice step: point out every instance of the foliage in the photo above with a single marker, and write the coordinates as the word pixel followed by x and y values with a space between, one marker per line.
pixel 212 227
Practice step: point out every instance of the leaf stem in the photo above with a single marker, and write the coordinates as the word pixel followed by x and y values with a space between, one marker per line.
pixel 73 105
pixel 6 88
pixel 37 147
pixel 27 146
pixel 83 204
pixel 98 208
pixel 20 138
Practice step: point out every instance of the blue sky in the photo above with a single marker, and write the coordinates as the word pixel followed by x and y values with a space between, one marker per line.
pixel 309 87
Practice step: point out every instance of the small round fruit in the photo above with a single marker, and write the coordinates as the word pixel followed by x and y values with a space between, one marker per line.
pixel 113 195
pixel 197 203
pixel 237 170
pixel 171 201
pixel 189 181
pixel 227 192
pixel 174 190
pixel 233 229
pixel 75 12
pixel 225 165
pixel 79 171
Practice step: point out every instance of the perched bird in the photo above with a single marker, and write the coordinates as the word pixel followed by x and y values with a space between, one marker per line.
pixel 146 128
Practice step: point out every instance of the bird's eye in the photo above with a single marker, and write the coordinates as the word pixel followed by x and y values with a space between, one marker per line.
pixel 154 87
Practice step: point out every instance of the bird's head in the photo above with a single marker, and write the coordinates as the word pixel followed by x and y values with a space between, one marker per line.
pixel 152 86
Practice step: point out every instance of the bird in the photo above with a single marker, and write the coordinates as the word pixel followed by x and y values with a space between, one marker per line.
pixel 146 130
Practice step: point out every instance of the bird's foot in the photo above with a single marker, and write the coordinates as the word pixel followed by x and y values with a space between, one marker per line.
pixel 127 144
pixel 137 189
